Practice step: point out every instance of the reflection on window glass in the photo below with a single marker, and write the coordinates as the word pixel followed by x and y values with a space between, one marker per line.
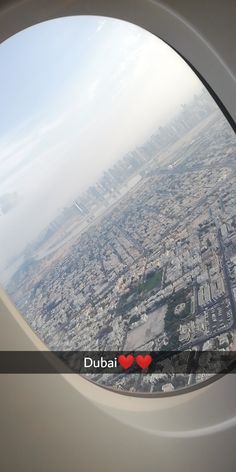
pixel 117 198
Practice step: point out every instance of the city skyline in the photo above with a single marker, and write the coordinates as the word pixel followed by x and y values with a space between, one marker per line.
pixel 117 201
pixel 69 122
pixel 145 259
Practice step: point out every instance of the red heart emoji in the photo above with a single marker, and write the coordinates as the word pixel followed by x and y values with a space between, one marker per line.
pixel 126 361
pixel 144 361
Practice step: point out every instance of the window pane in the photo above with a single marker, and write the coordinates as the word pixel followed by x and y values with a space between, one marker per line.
pixel 117 199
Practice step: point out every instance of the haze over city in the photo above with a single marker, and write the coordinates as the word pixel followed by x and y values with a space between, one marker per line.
pixel 117 202
pixel 77 94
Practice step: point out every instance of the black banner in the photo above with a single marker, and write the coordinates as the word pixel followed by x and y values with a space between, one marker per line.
pixel 114 362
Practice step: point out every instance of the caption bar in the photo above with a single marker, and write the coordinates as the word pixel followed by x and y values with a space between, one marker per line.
pixel 113 362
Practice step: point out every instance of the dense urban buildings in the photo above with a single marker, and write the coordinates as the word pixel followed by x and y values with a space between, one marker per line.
pixel 145 259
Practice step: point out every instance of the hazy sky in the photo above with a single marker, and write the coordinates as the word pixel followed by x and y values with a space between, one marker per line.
pixel 76 94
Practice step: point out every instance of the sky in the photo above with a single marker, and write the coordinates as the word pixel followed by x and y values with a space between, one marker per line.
pixel 76 94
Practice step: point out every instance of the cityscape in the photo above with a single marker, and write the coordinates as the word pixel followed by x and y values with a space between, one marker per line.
pixel 145 258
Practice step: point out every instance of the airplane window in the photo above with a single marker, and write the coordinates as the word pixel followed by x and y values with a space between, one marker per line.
pixel 117 203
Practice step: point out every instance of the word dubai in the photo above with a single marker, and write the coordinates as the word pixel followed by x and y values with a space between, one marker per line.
pixel 125 361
